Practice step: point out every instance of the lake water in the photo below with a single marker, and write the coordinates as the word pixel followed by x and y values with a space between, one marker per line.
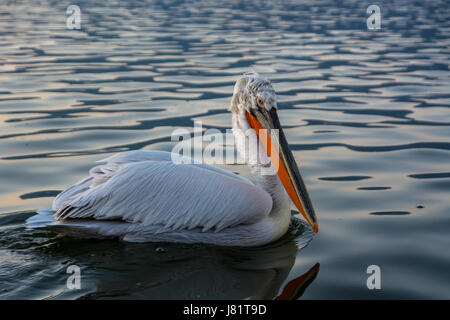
pixel 366 113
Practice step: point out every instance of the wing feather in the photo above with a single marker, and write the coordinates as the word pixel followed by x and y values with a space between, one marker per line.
pixel 146 187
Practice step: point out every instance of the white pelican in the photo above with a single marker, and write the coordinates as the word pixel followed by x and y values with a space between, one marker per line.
pixel 143 196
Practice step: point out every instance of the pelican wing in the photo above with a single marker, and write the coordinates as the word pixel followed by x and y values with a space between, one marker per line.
pixel 145 187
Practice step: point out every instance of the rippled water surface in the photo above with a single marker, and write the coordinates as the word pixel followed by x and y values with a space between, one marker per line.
pixel 366 113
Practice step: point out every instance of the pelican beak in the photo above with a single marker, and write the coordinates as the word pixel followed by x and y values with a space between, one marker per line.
pixel 269 131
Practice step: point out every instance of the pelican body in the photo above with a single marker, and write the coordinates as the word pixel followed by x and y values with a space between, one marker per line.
pixel 144 196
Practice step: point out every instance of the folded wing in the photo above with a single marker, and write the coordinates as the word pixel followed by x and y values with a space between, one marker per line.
pixel 146 187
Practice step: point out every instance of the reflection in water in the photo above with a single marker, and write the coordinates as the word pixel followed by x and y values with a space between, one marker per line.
pixel 114 269
pixel 194 272
pixel 294 289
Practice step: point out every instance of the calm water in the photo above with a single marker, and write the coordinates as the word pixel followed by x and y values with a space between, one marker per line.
pixel 366 113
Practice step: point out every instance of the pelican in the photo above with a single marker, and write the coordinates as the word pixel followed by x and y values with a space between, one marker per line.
pixel 144 196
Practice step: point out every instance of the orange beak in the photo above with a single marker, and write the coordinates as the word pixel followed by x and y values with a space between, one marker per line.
pixel 271 135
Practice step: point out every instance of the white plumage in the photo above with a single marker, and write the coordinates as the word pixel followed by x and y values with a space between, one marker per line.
pixel 145 196
pixel 141 188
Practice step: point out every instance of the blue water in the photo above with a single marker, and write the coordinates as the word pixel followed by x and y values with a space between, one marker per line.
pixel 366 113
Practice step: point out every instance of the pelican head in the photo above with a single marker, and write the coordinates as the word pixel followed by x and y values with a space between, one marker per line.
pixel 254 103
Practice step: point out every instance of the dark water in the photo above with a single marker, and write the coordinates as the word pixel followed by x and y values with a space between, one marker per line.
pixel 366 113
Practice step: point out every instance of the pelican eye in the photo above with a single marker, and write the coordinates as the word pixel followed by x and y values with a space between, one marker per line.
pixel 260 102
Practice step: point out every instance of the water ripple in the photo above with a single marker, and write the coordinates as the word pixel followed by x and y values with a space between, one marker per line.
pixel 363 111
